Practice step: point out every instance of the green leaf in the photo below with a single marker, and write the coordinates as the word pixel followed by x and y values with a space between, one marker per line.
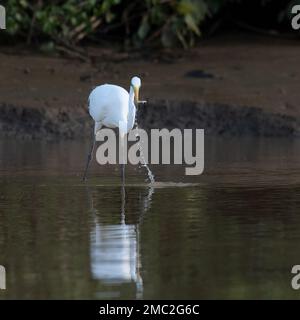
pixel 144 28
pixel 185 7
pixel 181 39
pixel 190 22
pixel 23 3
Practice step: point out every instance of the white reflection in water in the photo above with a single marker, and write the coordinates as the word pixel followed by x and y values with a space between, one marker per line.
pixel 114 253
pixel 115 249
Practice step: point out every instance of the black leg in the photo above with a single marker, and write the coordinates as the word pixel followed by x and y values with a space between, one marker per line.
pixel 123 200
pixel 122 167
pixel 89 158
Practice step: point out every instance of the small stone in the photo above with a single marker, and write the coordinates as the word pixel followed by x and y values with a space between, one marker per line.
pixel 26 70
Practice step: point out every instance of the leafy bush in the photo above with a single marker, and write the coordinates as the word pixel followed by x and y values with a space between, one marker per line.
pixel 173 21
pixel 63 21
pixel 169 22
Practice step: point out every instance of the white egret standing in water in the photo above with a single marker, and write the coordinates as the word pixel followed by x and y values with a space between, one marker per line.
pixel 112 106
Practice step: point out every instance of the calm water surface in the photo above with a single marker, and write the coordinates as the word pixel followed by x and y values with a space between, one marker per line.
pixel 233 232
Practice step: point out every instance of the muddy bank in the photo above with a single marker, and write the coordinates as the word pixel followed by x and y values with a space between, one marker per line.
pixel 227 87
pixel 215 119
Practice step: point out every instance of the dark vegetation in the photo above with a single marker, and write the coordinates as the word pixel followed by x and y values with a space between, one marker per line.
pixel 71 26
pixel 134 23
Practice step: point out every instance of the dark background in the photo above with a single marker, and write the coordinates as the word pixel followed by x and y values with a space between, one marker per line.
pixel 140 24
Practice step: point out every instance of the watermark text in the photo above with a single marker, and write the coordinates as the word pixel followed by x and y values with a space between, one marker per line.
pixel 2 278
pixel 2 17
pixel 165 147
pixel 296 17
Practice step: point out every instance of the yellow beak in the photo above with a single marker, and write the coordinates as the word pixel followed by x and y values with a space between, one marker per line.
pixel 136 95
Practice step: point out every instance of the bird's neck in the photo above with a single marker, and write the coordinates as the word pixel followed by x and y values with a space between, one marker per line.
pixel 131 95
pixel 131 109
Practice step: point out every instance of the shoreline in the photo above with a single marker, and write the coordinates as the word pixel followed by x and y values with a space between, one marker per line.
pixel 220 120
pixel 225 87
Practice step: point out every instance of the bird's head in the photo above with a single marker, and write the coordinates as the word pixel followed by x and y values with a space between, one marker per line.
pixel 136 84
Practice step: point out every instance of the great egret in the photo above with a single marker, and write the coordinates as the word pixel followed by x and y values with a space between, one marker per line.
pixel 112 106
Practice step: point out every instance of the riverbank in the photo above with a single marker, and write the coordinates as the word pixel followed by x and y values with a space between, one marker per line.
pixel 225 86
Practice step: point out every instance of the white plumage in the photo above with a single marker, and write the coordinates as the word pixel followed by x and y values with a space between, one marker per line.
pixel 108 105
pixel 112 106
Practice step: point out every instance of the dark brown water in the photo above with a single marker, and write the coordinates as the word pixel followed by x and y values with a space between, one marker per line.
pixel 233 232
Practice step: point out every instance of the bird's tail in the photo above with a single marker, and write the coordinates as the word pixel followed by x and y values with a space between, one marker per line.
pixel 98 126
